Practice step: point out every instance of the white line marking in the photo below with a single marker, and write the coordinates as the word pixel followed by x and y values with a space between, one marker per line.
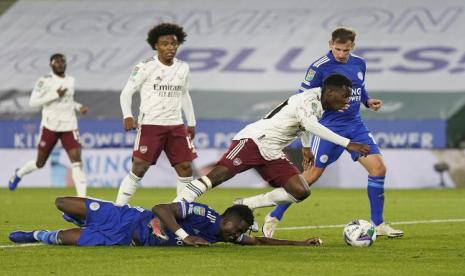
pixel 393 223
pixel 21 245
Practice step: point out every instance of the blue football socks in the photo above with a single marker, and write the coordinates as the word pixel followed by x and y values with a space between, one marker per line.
pixel 279 211
pixel 376 196
pixel 47 237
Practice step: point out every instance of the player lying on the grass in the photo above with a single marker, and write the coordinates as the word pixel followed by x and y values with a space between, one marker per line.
pixel 103 223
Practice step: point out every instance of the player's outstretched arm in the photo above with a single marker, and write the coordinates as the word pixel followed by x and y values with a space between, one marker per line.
pixel 168 213
pixel 248 240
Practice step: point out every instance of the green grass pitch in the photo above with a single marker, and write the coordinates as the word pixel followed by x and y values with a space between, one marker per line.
pixel 426 249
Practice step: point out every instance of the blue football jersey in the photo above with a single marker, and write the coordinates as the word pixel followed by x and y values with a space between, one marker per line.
pixel 196 219
pixel 354 69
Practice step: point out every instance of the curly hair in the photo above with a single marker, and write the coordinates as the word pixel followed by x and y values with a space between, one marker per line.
pixel 165 29
pixel 240 211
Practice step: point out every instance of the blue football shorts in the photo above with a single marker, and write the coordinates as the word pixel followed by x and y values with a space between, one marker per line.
pixel 108 224
pixel 326 152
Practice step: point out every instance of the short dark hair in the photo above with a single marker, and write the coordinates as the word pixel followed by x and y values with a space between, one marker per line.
pixel 336 80
pixel 165 29
pixel 240 211
pixel 343 34
pixel 56 55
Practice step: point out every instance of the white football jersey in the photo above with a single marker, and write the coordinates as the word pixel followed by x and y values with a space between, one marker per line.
pixel 58 113
pixel 163 91
pixel 286 122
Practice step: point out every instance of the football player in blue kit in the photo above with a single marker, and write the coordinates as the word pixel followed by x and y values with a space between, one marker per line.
pixel 173 224
pixel 347 123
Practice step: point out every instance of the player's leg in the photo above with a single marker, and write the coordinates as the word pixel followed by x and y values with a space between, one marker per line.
pixel 376 175
pixel 234 161
pixel 293 191
pixel 58 237
pixel 70 142
pixel 185 175
pixel 73 208
pixel 199 186
pixel 279 173
pixel 273 218
pixel 325 153
pixel 374 165
pixel 150 141
pixel 48 140
pixel 180 152
pixel 132 180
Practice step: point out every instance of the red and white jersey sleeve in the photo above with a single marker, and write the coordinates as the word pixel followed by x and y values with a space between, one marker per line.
pixel 300 113
pixel 163 91
pixel 58 113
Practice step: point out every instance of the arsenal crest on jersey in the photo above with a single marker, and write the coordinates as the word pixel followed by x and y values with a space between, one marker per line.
pixel 237 161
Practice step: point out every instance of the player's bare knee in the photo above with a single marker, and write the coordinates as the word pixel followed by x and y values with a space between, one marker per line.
pixel 184 169
pixel 40 164
pixel 378 170
pixel 302 194
pixel 60 203
pixel 139 169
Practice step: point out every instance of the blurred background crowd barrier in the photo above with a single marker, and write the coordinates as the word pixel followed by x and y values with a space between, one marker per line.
pixel 245 58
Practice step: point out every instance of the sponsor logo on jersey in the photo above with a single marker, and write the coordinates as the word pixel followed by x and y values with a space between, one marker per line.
pixel 360 75
pixel 198 210
pixel 314 107
pixel 310 75
pixel 94 206
pixel 143 149
pixel 237 161
pixel 324 158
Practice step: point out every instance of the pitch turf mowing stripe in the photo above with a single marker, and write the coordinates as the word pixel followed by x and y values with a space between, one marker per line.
pixel 396 223
pixel 21 245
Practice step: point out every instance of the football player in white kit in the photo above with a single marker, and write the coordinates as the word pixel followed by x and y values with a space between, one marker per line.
pixel 260 145
pixel 54 92
pixel 162 82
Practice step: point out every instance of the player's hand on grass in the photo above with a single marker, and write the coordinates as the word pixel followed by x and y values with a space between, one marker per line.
pixel 195 241
pixel 362 149
pixel 313 242
pixel 83 109
pixel 61 92
pixel 374 104
pixel 129 124
pixel 307 158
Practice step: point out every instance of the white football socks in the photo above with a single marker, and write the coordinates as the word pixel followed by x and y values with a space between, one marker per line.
pixel 27 168
pixel 79 179
pixel 127 188
pixel 275 197
pixel 194 189
pixel 182 183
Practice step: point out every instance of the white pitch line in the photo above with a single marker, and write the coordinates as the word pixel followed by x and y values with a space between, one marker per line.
pixel 21 245
pixel 397 223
